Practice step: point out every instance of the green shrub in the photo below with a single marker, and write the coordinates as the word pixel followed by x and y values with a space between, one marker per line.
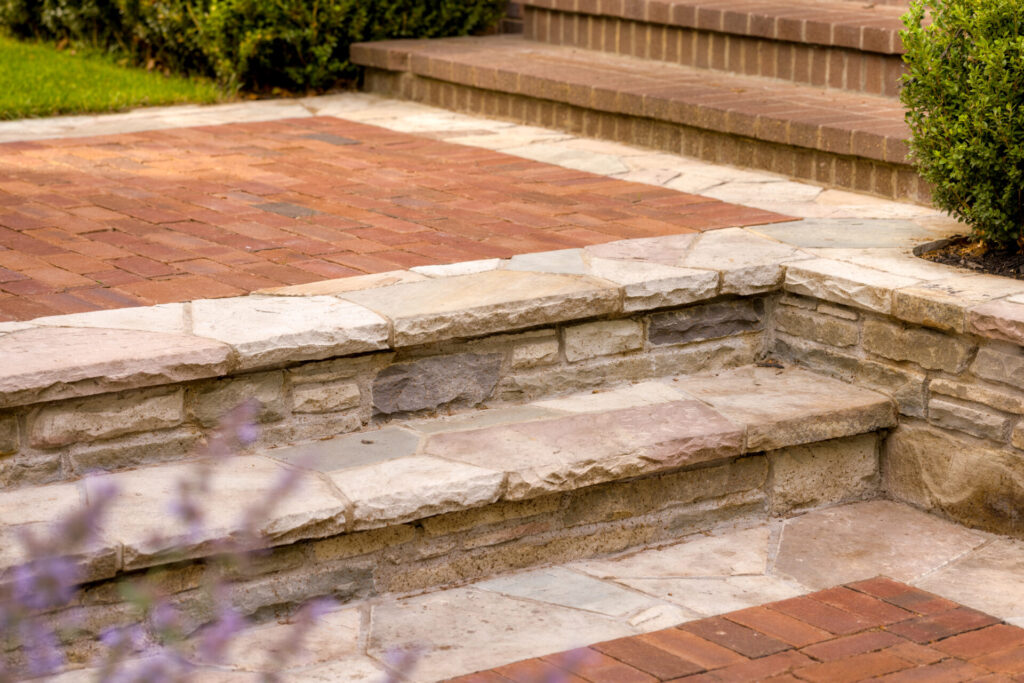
pixel 297 45
pixel 168 33
pixel 22 18
pixel 964 92
pixel 300 44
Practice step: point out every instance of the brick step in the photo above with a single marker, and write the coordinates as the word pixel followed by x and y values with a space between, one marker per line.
pixel 430 501
pixel 827 43
pixel 846 140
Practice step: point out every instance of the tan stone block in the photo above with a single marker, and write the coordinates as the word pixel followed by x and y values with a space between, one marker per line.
pixel 9 437
pixel 943 304
pixel 904 387
pixel 567 453
pixel 824 473
pixel 105 417
pixel 1000 400
pixel 47 364
pixel 931 350
pixel 534 352
pixel 790 407
pixel 965 417
pixel 133 450
pixel 272 330
pixel 819 328
pixel 624 500
pixel 415 487
pixel 1017 436
pixel 845 283
pixel 215 399
pixel 503 511
pixel 838 311
pixel 325 398
pixel 361 543
pixel 998 363
pixel 973 483
pixel 998 320
pixel 605 338
pixel 486 303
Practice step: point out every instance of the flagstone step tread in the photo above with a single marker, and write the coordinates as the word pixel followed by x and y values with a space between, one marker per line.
pixel 419 468
pixel 870 127
pixel 861 26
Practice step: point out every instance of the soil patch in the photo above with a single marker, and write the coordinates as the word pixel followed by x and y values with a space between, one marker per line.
pixel 963 252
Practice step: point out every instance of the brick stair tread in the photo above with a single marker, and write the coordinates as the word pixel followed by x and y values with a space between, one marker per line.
pixel 415 469
pixel 854 124
pixel 839 23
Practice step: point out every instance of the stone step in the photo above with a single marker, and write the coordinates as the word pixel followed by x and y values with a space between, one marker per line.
pixel 842 139
pixel 429 501
pixel 828 43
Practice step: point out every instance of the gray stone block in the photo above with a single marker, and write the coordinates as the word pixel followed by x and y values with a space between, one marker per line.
pixel 711 321
pixel 427 384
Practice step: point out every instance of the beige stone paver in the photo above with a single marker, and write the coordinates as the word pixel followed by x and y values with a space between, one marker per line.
pixel 545 610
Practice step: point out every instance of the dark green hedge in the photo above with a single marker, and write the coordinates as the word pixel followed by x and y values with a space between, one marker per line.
pixel 964 93
pixel 297 45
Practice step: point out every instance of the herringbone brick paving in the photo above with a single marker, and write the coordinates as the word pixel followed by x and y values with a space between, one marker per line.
pixel 877 629
pixel 173 215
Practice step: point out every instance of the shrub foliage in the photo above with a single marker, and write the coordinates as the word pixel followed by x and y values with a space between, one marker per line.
pixel 964 92
pixel 253 44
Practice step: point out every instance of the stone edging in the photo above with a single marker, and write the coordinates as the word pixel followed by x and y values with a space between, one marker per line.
pixel 85 354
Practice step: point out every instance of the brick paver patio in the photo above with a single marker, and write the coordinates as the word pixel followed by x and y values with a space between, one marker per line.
pixel 877 629
pixel 173 215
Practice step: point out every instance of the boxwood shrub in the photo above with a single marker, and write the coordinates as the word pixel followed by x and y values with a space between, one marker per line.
pixel 964 93
pixel 297 45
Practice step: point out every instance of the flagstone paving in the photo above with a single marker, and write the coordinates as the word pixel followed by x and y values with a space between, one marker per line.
pixel 202 212
pixel 747 601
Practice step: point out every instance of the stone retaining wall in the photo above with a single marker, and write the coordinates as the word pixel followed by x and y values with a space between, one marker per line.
pixel 64 439
pixel 958 449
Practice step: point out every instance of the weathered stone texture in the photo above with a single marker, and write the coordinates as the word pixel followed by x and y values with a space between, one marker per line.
pixel 845 283
pixel 931 350
pixel 9 437
pixel 1000 364
pixel 820 328
pixel 1000 400
pixel 464 379
pixel 605 338
pixel 623 500
pixel 903 386
pixel 325 398
pixel 823 473
pixel 711 321
pixel 963 417
pixel 486 303
pixel 47 364
pixel 134 450
pixel 216 399
pixel 105 417
pixel 972 483
pixel 998 320
pixel 533 349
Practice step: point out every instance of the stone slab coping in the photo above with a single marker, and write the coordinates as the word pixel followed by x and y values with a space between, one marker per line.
pixel 866 27
pixel 805 116
pixel 92 353
pixel 419 468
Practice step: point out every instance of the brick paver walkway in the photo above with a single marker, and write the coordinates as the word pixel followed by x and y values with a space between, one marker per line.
pixel 174 215
pixel 870 630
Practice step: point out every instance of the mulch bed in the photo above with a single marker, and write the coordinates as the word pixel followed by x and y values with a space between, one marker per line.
pixel 963 252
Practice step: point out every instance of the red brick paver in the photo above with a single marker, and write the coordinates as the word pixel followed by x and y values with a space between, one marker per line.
pixel 173 215
pixel 902 634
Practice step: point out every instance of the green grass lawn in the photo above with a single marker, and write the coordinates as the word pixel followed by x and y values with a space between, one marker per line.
pixel 38 80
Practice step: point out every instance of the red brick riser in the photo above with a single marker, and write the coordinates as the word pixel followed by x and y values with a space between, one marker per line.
pixel 885 179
